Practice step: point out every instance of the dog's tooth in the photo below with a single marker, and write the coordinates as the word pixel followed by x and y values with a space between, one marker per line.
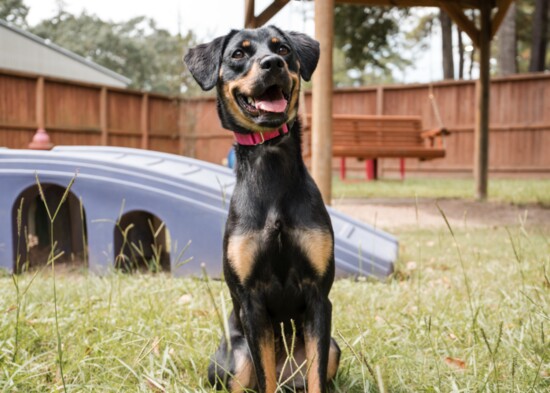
pixel 250 100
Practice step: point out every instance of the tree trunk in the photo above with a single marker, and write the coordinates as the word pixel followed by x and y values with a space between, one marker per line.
pixel 540 28
pixel 460 54
pixel 447 45
pixel 507 43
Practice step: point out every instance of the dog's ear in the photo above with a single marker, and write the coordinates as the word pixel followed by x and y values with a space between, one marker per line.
pixel 204 62
pixel 307 50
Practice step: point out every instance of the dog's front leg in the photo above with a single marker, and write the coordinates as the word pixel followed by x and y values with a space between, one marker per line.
pixel 261 342
pixel 317 326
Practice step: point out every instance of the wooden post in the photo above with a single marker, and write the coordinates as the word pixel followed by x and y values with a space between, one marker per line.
pixel 321 130
pixel 103 116
pixel 145 121
pixel 40 104
pixel 249 16
pixel 481 146
pixel 379 112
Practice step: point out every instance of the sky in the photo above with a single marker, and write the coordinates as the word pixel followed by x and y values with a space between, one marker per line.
pixel 211 18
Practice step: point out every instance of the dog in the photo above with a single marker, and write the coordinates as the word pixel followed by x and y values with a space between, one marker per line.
pixel 278 247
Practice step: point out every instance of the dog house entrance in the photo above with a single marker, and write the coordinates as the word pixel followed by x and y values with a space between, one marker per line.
pixel 33 239
pixel 142 242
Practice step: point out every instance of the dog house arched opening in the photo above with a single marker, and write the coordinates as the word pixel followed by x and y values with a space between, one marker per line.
pixel 34 236
pixel 142 242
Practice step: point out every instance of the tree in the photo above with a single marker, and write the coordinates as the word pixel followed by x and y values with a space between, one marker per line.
pixel 447 45
pixel 540 39
pixel 507 43
pixel 14 11
pixel 149 56
pixel 366 38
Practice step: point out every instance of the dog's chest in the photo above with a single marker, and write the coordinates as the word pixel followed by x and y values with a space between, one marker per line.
pixel 277 245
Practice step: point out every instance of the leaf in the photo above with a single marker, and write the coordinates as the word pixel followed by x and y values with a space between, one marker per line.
pixel 455 362
pixel 185 299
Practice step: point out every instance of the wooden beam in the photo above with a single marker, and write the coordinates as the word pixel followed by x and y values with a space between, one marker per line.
pixel 503 8
pixel 321 135
pixel 252 21
pixel 481 137
pixel 412 3
pixel 249 17
pixel 465 24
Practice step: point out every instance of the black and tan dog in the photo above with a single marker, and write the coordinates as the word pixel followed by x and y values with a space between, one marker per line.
pixel 279 245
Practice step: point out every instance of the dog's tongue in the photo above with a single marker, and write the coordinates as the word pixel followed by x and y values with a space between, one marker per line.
pixel 271 101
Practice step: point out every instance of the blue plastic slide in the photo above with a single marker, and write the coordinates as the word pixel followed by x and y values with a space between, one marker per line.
pixel 189 196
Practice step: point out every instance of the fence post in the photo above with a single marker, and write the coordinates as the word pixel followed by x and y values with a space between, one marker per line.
pixel 40 103
pixel 145 121
pixel 103 116
pixel 379 111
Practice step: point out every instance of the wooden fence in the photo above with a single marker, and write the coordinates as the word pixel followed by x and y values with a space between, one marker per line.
pixel 86 114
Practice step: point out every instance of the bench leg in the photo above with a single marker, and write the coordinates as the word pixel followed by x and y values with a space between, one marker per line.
pixel 402 168
pixel 343 168
pixel 371 169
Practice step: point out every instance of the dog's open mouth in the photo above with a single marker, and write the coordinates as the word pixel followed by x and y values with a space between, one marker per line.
pixel 272 101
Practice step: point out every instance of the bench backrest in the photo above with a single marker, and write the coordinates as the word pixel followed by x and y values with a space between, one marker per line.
pixel 386 131
pixel 356 131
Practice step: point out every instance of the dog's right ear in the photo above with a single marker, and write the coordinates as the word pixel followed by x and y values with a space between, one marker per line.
pixel 204 62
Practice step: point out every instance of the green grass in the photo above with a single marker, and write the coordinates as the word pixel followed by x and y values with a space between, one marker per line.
pixel 467 316
pixel 520 191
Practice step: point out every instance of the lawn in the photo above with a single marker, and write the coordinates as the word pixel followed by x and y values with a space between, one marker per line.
pixel 517 191
pixel 463 313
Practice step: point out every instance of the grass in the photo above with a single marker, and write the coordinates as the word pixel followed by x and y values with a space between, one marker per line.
pixel 415 332
pixel 517 191
pixel 467 310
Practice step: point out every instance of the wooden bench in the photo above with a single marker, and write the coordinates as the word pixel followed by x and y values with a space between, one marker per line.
pixel 372 137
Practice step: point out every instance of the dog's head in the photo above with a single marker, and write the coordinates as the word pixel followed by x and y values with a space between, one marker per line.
pixel 257 75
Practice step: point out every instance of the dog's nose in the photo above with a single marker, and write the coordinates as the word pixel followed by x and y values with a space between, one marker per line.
pixel 272 63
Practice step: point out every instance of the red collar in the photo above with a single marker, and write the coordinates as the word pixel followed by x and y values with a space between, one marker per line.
pixel 257 138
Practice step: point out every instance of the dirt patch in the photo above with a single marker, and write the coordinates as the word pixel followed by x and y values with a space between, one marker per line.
pixel 394 213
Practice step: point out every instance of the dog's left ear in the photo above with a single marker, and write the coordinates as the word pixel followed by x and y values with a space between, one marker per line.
pixel 204 62
pixel 307 50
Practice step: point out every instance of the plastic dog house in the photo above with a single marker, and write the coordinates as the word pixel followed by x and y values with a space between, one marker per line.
pixel 176 202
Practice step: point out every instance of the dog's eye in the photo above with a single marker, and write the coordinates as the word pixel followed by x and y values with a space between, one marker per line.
pixel 238 54
pixel 283 50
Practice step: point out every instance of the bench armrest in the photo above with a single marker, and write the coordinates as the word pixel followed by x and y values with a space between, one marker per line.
pixel 434 133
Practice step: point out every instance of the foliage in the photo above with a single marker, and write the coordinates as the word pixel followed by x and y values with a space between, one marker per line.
pixel 14 11
pixel 367 43
pixel 137 48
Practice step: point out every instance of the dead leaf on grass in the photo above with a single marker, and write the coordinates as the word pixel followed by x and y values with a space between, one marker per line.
pixel 455 362
pixel 185 299
pixel 411 265
pixel 156 346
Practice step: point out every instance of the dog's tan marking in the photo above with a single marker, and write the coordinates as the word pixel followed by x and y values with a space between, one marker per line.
pixel 274 40
pixel 317 245
pixel 293 104
pixel 246 43
pixel 269 364
pixel 333 361
pixel 241 250
pixel 312 356
pixel 244 377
